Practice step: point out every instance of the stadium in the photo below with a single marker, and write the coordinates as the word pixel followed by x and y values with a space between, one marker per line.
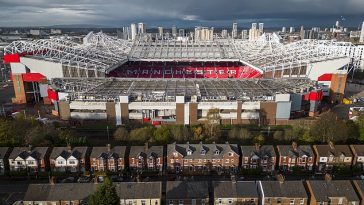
pixel 178 82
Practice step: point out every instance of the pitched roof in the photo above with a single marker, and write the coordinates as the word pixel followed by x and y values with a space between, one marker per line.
pixel 187 190
pixel 58 192
pixel 81 191
pixel 117 151
pixel 209 150
pixel 360 184
pixel 156 151
pixel 337 188
pixel 4 151
pixel 301 150
pixel 261 152
pixel 336 150
pixel 24 152
pixel 139 190
pixel 240 189
pixel 77 152
pixel 291 189
pixel 359 149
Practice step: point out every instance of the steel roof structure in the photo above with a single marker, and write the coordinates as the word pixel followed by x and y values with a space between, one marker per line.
pixel 103 53
pixel 110 89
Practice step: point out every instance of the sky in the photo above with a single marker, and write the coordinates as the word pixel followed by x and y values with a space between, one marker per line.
pixel 183 13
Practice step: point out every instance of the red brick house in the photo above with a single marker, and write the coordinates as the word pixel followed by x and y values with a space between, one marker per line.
pixel 295 156
pixel 108 158
pixel 257 156
pixel 146 158
pixel 202 157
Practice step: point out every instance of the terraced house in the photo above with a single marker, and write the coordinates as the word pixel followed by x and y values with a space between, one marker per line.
pixel 283 192
pixel 358 152
pixel 295 156
pixel 329 192
pixel 74 159
pixel 33 159
pixel 330 156
pixel 4 159
pixel 108 158
pixel 146 158
pixel 187 193
pixel 257 156
pixel 203 157
pixel 235 192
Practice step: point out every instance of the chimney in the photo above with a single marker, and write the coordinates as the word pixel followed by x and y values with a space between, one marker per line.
pixel 328 177
pixel 280 178
pixel 257 146
pixel 146 146
pixel 30 148
pixel 69 147
pixel 294 146
pixel 108 147
pixel 331 144
pixel 51 180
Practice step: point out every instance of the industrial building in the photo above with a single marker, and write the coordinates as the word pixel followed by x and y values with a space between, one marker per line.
pixel 256 81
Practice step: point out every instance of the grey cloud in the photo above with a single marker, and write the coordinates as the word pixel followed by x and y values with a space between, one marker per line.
pixel 118 12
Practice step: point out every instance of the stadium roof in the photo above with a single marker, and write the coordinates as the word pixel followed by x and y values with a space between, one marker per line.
pixel 110 89
pixel 104 53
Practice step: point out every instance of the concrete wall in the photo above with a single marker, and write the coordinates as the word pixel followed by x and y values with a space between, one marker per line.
pixel 64 110
pixel 110 111
pixel 268 112
pixel 315 70
pixel 48 69
pixel 19 89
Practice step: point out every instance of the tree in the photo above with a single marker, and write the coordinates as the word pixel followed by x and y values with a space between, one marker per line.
pixel 162 134
pixel 197 132
pixel 237 133
pixel 121 134
pixel 353 130
pixel 278 135
pixel 212 125
pixel 307 137
pixel 360 123
pixel 179 133
pixel 105 194
pixel 142 134
pixel 259 139
pixel 329 128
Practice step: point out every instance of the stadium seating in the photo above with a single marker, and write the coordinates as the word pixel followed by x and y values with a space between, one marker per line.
pixel 184 70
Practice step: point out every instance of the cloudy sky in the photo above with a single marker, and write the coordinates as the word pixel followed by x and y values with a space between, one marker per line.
pixel 180 12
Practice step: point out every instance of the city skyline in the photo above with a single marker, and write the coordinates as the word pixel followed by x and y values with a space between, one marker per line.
pixel 182 13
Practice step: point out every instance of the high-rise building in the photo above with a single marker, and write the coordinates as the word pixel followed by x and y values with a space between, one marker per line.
pixel 302 33
pixel 204 33
pixel 254 32
pixel 181 32
pixel 284 29
pixel 234 33
pixel 126 33
pixel 254 25
pixel 244 34
pixel 361 40
pixel 261 28
pixel 160 31
pixel 292 29
pixel 133 31
pixel 224 33
pixel 141 28
pixel 174 31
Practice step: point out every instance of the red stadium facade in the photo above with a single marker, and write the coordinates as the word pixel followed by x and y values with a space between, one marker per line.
pixel 144 69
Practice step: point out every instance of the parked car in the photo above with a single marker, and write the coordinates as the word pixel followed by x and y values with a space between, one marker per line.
pixel 68 180
pixel 84 179
pixel 116 178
